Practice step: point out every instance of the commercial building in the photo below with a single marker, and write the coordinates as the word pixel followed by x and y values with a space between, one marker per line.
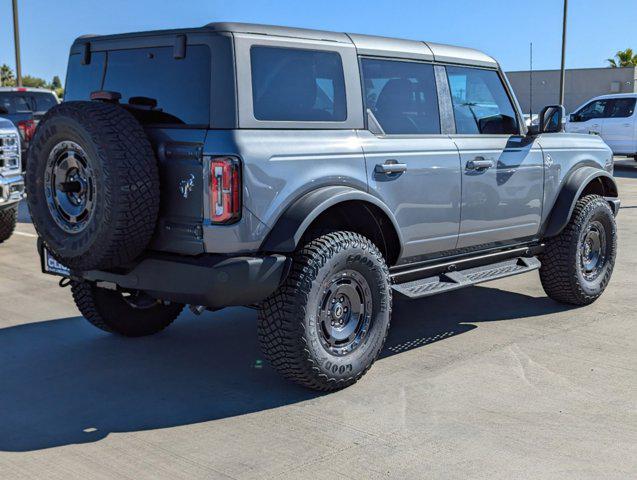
pixel 581 85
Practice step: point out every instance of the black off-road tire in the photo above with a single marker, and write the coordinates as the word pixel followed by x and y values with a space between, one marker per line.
pixel 8 220
pixel 288 326
pixel 561 273
pixel 109 311
pixel 125 178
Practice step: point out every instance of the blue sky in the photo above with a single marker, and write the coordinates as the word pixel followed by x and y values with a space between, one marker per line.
pixel 502 28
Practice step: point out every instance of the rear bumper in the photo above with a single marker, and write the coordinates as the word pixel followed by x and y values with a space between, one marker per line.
pixel 213 281
pixel 11 190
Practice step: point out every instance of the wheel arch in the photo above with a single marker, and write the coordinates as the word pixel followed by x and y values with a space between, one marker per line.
pixel 338 207
pixel 583 181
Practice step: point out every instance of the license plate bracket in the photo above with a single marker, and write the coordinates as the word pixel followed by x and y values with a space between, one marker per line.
pixel 51 266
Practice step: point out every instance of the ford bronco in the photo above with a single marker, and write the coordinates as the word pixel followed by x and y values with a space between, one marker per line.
pixel 311 175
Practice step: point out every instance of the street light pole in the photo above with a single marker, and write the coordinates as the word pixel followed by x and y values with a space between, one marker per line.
pixel 16 39
pixel 562 71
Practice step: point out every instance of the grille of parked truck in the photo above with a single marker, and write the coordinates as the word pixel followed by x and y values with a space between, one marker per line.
pixel 11 181
pixel 311 175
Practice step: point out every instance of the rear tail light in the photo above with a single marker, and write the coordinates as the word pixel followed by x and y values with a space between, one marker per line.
pixel 27 129
pixel 225 190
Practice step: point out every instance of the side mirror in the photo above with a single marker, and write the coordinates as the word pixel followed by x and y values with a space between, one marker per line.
pixel 574 117
pixel 4 111
pixel 551 119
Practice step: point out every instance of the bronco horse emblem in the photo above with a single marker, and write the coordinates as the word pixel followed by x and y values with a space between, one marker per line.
pixel 186 186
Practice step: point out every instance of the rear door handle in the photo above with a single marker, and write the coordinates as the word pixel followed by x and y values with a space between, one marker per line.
pixel 390 166
pixel 479 163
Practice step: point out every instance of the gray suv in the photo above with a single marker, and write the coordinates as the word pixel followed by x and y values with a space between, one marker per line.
pixel 311 175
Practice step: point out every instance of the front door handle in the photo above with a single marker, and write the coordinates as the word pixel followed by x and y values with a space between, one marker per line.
pixel 479 163
pixel 390 166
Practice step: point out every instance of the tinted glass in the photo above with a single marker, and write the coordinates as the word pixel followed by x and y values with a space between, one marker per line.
pixel 14 102
pixel 43 101
pixel 81 80
pixel 290 84
pixel 180 88
pixel 621 108
pixel 402 96
pixel 593 110
pixel 480 102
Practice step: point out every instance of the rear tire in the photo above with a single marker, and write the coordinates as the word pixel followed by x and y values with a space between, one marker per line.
pixel 8 220
pixel 325 326
pixel 577 264
pixel 111 311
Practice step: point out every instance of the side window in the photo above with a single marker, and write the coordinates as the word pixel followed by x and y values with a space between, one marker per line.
pixel 593 110
pixel 402 96
pixel 81 80
pixel 292 84
pixel 621 108
pixel 480 102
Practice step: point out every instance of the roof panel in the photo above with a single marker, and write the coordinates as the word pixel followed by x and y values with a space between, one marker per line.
pixel 463 55
pixel 391 47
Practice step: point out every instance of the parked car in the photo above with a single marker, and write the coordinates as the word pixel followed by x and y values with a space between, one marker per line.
pixel 11 181
pixel 613 118
pixel 24 106
pixel 311 175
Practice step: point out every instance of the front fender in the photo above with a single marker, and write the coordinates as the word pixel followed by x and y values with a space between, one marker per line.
pixel 290 227
pixel 572 190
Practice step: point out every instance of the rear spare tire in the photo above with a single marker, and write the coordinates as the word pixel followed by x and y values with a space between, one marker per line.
pixel 92 185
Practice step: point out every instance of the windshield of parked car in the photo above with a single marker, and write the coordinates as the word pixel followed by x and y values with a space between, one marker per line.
pixel 25 102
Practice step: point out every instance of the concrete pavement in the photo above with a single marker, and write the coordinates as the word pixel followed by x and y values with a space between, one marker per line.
pixel 495 381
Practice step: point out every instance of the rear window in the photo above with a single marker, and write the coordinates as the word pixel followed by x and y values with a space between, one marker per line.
pixel 291 84
pixel 173 91
pixel 24 102
pixel 181 87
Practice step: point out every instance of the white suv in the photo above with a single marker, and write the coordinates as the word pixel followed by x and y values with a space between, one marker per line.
pixel 613 118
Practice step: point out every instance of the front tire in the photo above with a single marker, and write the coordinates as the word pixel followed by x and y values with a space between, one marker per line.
pixel 129 315
pixel 8 220
pixel 577 264
pixel 326 325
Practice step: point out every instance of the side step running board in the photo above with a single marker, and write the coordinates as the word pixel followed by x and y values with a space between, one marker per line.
pixel 448 281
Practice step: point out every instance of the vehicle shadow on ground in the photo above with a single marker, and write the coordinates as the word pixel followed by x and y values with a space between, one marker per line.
pixel 64 382
pixel 23 213
pixel 625 169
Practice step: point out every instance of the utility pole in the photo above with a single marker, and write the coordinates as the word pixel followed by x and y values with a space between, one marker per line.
pixel 563 72
pixel 16 40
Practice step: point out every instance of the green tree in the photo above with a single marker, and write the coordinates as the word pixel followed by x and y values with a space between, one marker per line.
pixel 7 79
pixel 34 82
pixel 56 83
pixel 623 58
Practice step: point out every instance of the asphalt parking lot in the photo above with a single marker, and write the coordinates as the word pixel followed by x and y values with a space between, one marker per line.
pixel 495 381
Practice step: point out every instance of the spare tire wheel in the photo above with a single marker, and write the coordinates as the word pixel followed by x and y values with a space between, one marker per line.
pixel 92 185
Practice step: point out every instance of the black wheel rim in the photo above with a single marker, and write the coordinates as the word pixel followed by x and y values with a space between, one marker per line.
pixel 69 187
pixel 345 312
pixel 593 250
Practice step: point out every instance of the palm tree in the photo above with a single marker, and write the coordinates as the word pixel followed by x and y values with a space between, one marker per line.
pixel 6 75
pixel 623 58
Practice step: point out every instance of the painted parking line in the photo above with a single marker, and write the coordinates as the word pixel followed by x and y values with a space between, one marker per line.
pixel 24 234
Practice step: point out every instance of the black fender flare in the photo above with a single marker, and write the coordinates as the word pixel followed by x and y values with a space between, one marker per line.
pixel 571 191
pixel 288 230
